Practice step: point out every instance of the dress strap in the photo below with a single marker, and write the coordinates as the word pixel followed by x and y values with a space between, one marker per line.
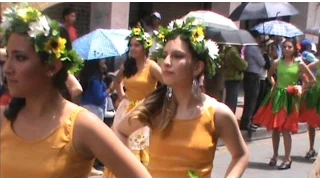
pixel 71 120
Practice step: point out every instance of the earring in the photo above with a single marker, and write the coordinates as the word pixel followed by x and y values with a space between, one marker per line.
pixel 50 74
pixel 169 93
pixel 196 89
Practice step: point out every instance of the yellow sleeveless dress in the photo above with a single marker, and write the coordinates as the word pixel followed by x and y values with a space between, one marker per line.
pixel 137 88
pixel 189 145
pixel 51 157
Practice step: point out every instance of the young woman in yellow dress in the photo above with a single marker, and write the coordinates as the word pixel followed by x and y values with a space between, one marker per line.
pixel 185 123
pixel 41 133
pixel 139 77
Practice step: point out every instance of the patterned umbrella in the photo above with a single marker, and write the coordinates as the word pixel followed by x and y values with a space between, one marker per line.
pixel 211 19
pixel 102 43
pixel 278 28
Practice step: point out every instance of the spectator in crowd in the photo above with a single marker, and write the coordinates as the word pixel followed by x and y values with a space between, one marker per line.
pixel 251 82
pixel 234 68
pixel 69 19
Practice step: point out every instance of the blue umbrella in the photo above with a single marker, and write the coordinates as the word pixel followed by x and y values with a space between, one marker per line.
pixel 102 43
pixel 278 28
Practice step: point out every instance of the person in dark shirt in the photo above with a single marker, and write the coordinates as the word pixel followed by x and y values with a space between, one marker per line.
pixel 94 89
pixel 69 19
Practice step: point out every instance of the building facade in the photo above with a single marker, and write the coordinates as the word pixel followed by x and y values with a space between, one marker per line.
pixel 107 15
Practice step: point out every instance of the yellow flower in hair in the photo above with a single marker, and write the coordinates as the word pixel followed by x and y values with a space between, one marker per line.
pixel 198 35
pixel 56 46
pixel 23 13
pixel 28 14
pixel 136 31
pixel 161 36
pixel 149 43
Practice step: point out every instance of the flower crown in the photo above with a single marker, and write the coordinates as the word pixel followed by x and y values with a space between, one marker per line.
pixel 144 38
pixel 194 32
pixel 44 33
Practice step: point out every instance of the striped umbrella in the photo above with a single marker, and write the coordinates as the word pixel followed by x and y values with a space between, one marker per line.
pixel 278 28
pixel 102 43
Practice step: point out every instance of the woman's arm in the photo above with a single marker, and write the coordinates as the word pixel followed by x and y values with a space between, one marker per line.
pixel 74 86
pixel 111 88
pixel 305 70
pixel 94 139
pixel 126 127
pixel 271 72
pixel 313 66
pixel 118 83
pixel 228 130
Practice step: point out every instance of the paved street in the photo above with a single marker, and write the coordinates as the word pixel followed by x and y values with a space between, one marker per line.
pixel 260 154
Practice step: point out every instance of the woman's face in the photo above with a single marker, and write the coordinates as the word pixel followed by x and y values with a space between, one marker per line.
pixel 136 49
pixel 288 49
pixel 26 73
pixel 178 65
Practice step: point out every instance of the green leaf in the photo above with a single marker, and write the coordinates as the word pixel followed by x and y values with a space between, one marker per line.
pixel 192 174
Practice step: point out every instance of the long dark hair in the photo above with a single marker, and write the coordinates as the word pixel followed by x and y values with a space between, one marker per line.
pixel 130 65
pixel 59 82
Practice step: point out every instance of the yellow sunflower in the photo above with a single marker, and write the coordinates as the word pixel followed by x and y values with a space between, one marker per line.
pixel 198 35
pixel 149 43
pixel 57 46
pixel 136 31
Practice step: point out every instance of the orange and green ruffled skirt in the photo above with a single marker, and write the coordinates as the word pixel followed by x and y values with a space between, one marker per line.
pixel 279 111
pixel 310 107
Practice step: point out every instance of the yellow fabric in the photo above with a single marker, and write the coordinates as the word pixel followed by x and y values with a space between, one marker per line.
pixel 51 157
pixel 141 84
pixel 188 146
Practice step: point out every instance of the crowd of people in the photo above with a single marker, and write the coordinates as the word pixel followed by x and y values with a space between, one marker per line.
pixel 160 114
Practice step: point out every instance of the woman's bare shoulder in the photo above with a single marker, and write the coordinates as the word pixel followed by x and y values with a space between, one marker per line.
pixel 222 111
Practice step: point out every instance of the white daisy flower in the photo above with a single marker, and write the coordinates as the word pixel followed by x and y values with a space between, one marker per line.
pixel 40 27
pixel 213 48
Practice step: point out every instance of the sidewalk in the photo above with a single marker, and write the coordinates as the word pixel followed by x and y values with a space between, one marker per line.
pixel 262 132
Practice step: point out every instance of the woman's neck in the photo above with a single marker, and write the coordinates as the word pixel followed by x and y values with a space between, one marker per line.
pixel 184 97
pixel 288 59
pixel 46 102
pixel 141 61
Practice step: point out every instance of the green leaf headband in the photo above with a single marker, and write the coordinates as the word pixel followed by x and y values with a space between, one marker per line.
pixel 44 33
pixel 193 32
pixel 141 36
